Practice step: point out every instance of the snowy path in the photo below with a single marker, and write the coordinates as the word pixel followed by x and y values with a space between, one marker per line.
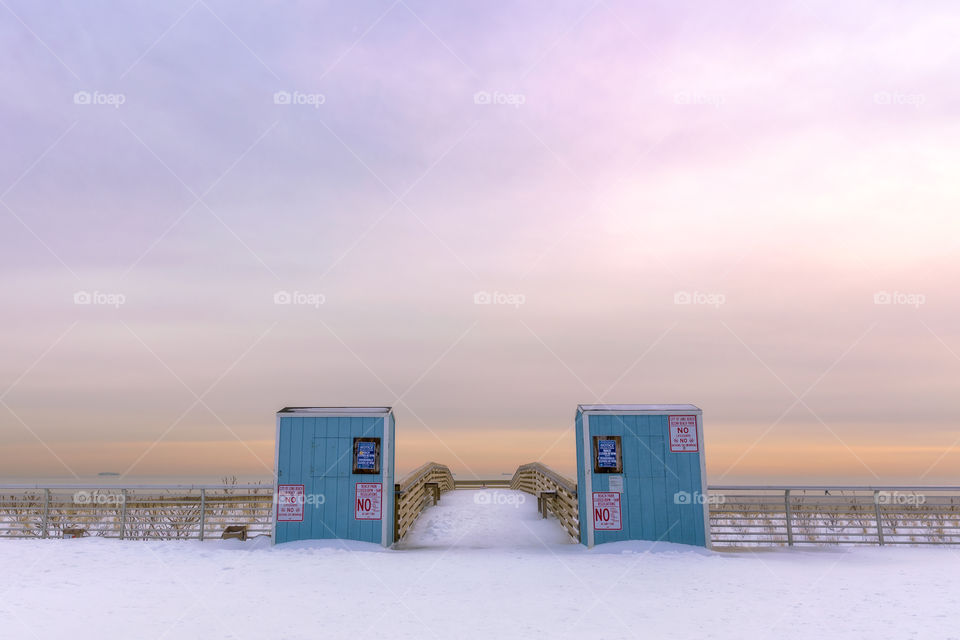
pixel 482 519
pixel 461 576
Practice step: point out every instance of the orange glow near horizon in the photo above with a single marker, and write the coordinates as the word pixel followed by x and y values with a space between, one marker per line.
pixel 497 453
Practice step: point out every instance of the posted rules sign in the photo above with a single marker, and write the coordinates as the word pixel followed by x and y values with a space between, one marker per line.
pixel 369 501
pixel 607 453
pixel 683 434
pixel 290 499
pixel 367 456
pixel 606 511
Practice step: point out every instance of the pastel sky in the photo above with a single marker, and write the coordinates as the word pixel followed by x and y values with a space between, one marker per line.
pixel 747 206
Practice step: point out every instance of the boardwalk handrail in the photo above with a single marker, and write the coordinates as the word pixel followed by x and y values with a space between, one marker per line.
pixel 775 515
pixel 740 515
pixel 138 512
pixel 418 489
pixel 557 493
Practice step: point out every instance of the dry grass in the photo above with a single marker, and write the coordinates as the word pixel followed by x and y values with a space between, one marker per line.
pixel 835 518
pixel 135 514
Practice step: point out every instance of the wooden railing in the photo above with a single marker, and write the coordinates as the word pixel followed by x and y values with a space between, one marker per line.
pixel 418 490
pixel 740 516
pixel 758 515
pixel 555 494
pixel 135 512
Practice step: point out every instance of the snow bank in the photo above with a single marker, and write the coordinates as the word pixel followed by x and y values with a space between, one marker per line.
pixel 460 574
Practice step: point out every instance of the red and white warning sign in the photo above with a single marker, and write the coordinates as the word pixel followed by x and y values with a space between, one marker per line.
pixel 369 501
pixel 606 511
pixel 290 499
pixel 683 434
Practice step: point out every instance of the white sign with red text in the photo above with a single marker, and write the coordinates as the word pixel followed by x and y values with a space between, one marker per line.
pixel 606 511
pixel 290 499
pixel 369 501
pixel 683 434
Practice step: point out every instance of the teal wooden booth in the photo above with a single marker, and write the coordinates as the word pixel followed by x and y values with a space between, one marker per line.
pixel 335 473
pixel 641 474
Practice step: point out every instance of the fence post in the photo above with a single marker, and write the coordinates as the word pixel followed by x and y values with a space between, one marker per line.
pixel 123 512
pixel 434 490
pixel 203 511
pixel 876 509
pixel 786 504
pixel 46 512
pixel 544 500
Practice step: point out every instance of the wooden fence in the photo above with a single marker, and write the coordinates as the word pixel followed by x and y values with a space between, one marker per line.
pixel 143 512
pixel 740 516
pixel 418 490
pixel 765 516
pixel 752 516
pixel 555 494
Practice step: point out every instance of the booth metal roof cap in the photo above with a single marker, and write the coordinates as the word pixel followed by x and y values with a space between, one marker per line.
pixel 325 411
pixel 638 408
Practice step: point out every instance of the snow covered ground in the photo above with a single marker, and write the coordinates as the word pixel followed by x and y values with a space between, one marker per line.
pixel 476 566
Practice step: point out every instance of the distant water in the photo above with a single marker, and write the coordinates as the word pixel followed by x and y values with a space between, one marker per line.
pixel 96 479
pixel 120 481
